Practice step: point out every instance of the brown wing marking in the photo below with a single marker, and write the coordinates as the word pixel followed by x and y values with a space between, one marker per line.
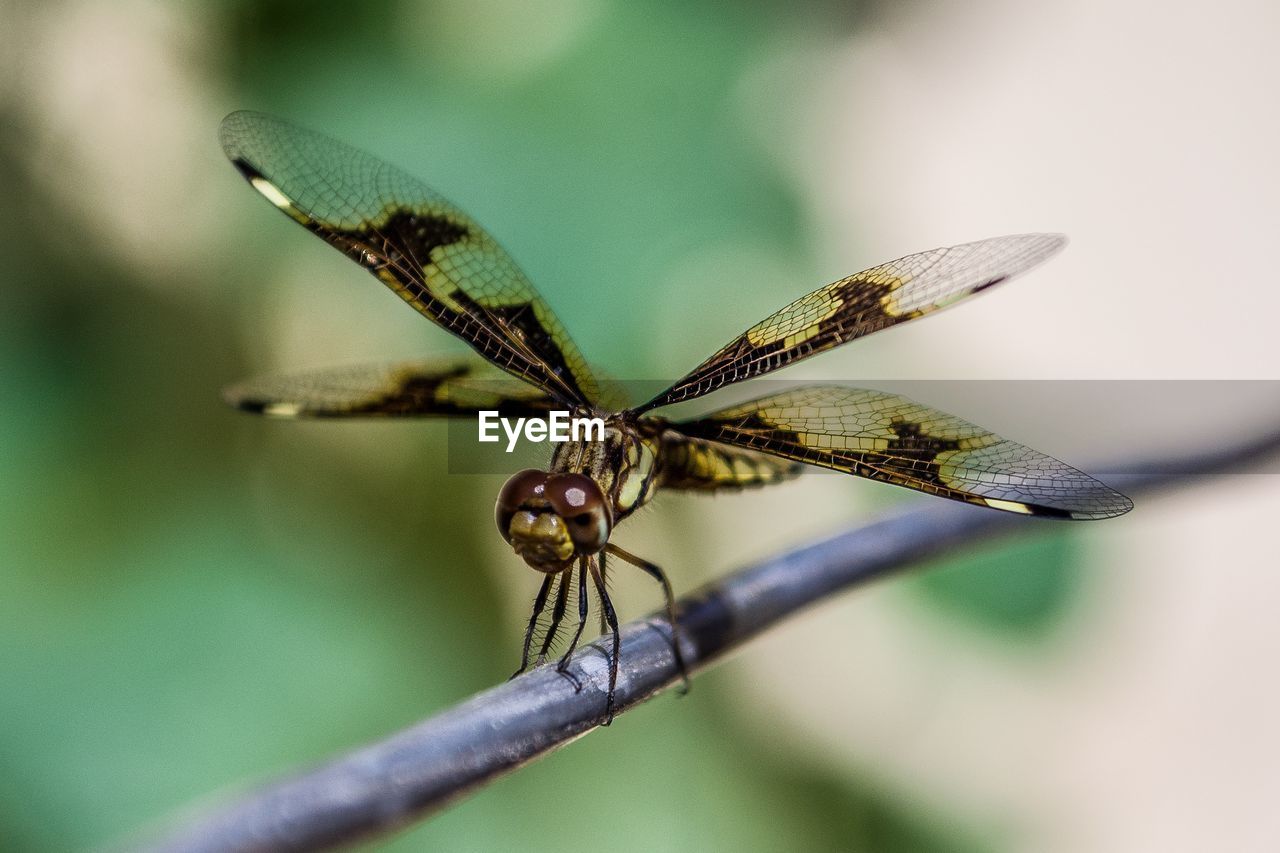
pixel 863 304
pixel 892 439
pixel 429 252
pixel 404 389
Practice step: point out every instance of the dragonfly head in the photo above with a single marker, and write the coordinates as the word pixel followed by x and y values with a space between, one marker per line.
pixel 551 518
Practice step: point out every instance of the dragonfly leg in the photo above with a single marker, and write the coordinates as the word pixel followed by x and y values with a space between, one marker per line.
pixel 563 666
pixel 661 577
pixel 611 618
pixel 538 603
pixel 557 614
pixel 604 581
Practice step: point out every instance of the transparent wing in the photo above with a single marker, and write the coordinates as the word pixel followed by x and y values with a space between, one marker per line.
pixel 861 304
pixel 434 256
pixel 405 389
pixel 892 439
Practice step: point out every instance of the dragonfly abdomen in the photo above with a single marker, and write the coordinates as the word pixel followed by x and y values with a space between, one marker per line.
pixel 699 465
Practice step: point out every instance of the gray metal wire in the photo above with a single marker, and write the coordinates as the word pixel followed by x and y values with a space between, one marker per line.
pixel 421 770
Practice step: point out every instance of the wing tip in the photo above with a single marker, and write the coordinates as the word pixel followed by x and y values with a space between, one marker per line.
pixel 237 397
pixel 232 127
pixel 242 399
pixel 1120 505
pixel 1047 244
pixel 232 135
pixel 1054 242
pixel 1038 245
pixel 1112 504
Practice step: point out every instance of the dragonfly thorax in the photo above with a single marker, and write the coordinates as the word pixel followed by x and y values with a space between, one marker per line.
pixel 624 465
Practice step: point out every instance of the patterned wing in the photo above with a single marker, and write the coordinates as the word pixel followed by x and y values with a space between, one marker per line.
pixel 861 304
pixel 429 252
pixel 890 438
pixel 406 389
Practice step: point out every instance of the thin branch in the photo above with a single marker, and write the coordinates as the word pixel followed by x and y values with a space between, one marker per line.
pixel 421 770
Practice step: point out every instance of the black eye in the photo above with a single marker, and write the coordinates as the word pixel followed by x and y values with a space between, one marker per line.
pixel 583 519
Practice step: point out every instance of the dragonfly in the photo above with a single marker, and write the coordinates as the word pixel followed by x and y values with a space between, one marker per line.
pixel 561 520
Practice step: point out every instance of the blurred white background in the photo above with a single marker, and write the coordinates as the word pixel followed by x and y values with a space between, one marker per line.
pixel 1148 133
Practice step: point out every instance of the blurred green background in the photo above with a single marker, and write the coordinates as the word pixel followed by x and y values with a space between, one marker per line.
pixel 194 600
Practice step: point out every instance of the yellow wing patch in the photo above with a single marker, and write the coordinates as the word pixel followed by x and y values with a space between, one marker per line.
pixel 860 305
pixel 429 252
pixel 405 389
pixel 895 440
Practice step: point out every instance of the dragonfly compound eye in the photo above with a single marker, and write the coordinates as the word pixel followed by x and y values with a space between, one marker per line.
pixel 524 490
pixel 578 500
